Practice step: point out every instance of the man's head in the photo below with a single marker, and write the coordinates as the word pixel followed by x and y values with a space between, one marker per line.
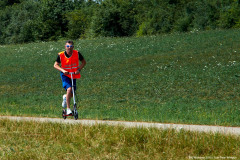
pixel 69 46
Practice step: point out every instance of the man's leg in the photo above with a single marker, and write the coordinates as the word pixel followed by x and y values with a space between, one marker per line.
pixel 69 96
pixel 67 85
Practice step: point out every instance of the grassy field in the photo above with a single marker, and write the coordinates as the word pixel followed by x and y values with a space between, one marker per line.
pixel 31 140
pixel 177 78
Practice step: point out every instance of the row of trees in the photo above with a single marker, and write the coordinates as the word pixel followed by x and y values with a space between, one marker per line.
pixel 41 20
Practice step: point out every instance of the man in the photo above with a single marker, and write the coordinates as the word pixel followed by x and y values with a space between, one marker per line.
pixel 69 60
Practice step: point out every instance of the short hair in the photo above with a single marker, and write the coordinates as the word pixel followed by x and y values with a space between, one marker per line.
pixel 69 41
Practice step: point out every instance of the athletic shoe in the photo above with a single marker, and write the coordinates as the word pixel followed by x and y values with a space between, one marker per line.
pixel 64 103
pixel 69 112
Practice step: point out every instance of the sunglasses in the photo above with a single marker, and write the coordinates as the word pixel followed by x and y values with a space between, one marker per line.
pixel 69 46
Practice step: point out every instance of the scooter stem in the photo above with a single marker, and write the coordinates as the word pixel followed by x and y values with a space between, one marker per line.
pixel 73 88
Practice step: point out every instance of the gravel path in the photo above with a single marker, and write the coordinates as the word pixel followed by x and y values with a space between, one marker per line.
pixel 199 128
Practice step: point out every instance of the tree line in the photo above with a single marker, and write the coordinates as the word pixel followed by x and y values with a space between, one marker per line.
pixel 24 21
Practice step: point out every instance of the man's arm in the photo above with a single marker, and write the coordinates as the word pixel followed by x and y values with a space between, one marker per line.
pixel 83 63
pixel 57 66
pixel 82 60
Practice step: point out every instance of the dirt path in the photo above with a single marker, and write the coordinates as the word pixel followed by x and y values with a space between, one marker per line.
pixel 199 128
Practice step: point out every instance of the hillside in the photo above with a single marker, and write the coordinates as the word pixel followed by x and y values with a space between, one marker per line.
pixel 175 78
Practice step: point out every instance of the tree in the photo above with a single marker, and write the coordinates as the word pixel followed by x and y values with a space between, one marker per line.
pixel 78 22
pixel 229 16
pixel 15 22
pixel 114 18
pixel 52 17
pixel 158 19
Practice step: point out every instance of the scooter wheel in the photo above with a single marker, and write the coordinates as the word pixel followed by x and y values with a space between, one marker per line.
pixel 75 115
pixel 64 114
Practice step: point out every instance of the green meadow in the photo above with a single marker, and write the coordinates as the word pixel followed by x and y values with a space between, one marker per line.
pixel 191 78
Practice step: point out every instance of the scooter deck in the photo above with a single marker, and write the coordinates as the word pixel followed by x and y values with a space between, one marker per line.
pixel 68 115
pixel 74 114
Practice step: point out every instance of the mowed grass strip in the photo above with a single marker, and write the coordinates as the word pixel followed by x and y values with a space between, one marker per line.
pixel 32 140
pixel 175 78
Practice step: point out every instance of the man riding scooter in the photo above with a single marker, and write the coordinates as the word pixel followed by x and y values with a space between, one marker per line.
pixel 69 60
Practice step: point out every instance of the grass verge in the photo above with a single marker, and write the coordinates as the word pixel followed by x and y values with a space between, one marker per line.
pixel 32 140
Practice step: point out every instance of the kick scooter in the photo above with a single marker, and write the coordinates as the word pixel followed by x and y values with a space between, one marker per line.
pixel 74 111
